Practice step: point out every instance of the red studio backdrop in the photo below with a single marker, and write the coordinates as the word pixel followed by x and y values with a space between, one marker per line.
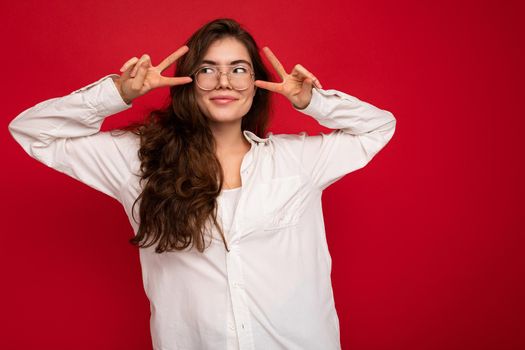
pixel 426 241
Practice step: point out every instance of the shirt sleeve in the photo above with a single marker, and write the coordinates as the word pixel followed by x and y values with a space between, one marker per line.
pixel 361 130
pixel 64 134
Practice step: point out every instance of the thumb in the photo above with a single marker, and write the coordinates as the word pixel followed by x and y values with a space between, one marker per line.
pixel 304 97
pixel 307 86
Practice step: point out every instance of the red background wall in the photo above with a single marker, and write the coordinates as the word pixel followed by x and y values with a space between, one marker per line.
pixel 426 240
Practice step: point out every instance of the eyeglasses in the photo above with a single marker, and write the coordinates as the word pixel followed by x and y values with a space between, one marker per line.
pixel 240 77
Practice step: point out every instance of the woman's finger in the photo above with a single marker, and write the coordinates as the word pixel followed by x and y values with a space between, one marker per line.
pixel 168 61
pixel 171 81
pixel 128 63
pixel 300 69
pixel 275 87
pixel 275 62
pixel 127 73
pixel 143 58
pixel 141 75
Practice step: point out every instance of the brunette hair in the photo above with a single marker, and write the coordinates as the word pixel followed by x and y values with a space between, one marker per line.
pixel 177 152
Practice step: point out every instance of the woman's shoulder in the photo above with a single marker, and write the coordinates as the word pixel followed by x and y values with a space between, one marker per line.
pixel 287 138
pixel 286 145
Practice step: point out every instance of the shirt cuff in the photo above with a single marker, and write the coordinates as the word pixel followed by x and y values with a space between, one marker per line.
pixel 321 105
pixel 314 107
pixel 104 96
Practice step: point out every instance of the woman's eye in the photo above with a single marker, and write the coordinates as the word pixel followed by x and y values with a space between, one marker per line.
pixel 239 70
pixel 207 70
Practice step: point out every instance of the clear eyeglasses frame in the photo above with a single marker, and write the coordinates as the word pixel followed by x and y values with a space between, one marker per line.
pixel 238 81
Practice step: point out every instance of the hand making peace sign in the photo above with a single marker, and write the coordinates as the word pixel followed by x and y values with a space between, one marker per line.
pixel 296 86
pixel 140 76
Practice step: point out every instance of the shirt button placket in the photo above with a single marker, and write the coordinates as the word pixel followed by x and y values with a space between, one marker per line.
pixel 232 341
pixel 240 310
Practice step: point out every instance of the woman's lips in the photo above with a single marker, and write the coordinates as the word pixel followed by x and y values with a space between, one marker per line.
pixel 222 101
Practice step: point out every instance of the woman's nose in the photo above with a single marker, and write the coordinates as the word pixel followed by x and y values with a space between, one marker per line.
pixel 224 82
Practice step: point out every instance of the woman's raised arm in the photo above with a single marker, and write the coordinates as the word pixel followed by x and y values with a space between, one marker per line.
pixel 64 132
pixel 361 130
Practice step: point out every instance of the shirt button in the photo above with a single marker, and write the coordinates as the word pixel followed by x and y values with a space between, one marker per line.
pixel 231 326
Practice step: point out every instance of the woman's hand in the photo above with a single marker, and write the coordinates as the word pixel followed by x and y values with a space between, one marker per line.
pixel 296 86
pixel 139 76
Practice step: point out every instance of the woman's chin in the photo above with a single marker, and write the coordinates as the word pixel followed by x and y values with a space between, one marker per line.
pixel 224 117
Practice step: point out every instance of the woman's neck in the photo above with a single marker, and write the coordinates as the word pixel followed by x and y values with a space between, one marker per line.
pixel 229 139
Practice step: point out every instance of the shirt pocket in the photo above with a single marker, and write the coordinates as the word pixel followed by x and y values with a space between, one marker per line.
pixel 281 202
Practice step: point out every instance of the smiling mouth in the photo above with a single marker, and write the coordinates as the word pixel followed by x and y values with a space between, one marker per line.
pixel 222 101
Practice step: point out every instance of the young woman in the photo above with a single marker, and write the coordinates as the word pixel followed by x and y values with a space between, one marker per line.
pixel 230 224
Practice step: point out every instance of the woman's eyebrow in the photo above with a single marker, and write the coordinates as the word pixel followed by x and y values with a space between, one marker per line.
pixel 232 62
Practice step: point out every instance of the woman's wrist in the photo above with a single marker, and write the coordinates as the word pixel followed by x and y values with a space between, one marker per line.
pixel 116 80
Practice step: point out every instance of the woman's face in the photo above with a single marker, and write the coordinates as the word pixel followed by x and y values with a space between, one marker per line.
pixel 225 51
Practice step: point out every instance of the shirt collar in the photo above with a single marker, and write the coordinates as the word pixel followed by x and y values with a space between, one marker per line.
pixel 250 136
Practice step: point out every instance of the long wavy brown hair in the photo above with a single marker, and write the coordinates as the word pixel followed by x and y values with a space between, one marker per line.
pixel 182 175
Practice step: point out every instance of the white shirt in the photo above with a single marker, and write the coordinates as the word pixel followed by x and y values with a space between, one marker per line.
pixel 273 289
pixel 228 201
